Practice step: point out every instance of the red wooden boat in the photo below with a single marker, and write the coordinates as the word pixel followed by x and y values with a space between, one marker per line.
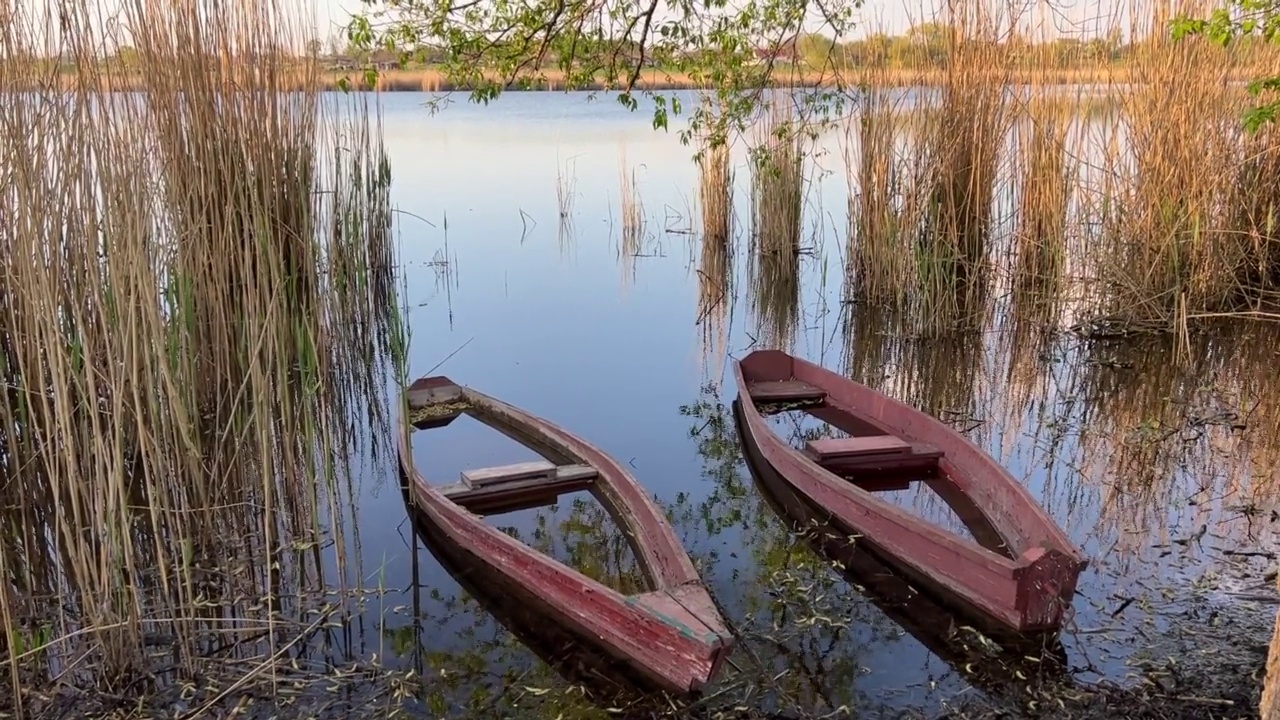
pixel 1025 582
pixel 672 636
pixel 606 682
pixel 927 618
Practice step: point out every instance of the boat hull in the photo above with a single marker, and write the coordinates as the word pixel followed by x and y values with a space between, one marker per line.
pixel 578 657
pixel 928 615
pixel 1020 573
pixel 672 637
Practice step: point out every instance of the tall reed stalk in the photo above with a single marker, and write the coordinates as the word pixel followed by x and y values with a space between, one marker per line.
pixel 1039 247
pixel 194 329
pixel 715 193
pixel 881 245
pixel 631 242
pixel 777 189
pixel 777 205
pixel 715 265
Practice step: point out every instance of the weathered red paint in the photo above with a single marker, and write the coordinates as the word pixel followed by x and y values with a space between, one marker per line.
pixel 929 619
pixel 672 636
pixel 1028 589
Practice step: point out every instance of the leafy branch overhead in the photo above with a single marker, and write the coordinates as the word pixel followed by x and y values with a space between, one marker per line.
pixel 734 50
pixel 1239 21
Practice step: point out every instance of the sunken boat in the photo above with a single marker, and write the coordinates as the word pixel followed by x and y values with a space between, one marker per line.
pixel 1022 575
pixel 989 656
pixel 671 637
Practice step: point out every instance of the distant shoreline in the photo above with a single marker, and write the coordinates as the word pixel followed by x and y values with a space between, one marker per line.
pixel 431 80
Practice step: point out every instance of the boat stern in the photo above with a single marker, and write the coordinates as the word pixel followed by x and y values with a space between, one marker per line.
pixel 689 612
pixel 766 366
pixel 432 402
pixel 1046 587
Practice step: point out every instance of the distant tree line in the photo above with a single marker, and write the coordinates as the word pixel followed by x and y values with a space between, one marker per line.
pixel 924 46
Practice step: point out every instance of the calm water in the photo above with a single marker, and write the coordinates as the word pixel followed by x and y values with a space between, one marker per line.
pixel 1156 458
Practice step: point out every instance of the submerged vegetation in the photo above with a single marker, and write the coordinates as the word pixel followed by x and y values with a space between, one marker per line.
pixel 196 321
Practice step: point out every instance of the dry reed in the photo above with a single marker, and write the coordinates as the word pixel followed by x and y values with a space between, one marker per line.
pixel 881 252
pixel 1163 249
pixel 715 265
pixel 1145 191
pixel 566 193
pixel 1039 242
pixel 715 193
pixel 194 324
pixel 777 189
pixel 777 215
pixel 631 242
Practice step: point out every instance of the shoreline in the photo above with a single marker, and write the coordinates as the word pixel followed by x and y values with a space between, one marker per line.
pixel 432 80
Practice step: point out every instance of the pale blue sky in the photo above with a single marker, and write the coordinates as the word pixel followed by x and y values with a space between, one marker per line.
pixel 1069 18
pixel 1056 18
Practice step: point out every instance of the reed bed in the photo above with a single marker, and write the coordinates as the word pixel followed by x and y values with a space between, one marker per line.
pixel 196 325
pixel 1141 196
pixel 1046 173
pixel 880 251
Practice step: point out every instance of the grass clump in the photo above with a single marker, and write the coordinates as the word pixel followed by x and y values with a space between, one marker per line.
pixel 195 320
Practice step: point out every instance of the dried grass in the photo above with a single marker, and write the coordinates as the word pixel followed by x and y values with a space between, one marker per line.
pixel 194 325
pixel 1145 192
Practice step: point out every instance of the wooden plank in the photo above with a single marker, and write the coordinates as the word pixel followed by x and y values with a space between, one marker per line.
pixel 922 457
pixel 780 391
pixel 530 492
pixel 483 477
pixel 836 448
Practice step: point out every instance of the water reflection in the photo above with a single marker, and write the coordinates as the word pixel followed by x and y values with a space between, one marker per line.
pixel 715 288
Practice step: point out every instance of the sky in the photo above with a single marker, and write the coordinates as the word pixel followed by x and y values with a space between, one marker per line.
pixel 1041 19
pixel 1058 18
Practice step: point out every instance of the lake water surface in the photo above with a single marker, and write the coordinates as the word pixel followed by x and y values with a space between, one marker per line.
pixel 1157 456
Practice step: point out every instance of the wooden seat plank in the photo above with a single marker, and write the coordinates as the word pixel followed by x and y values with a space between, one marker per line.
pixel 520 494
pixel 838 448
pixel 780 391
pixel 483 477
pixel 921 457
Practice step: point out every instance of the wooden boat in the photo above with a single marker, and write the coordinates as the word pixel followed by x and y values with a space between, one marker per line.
pixel 1024 578
pixel 673 636
pixel 606 681
pixel 939 628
